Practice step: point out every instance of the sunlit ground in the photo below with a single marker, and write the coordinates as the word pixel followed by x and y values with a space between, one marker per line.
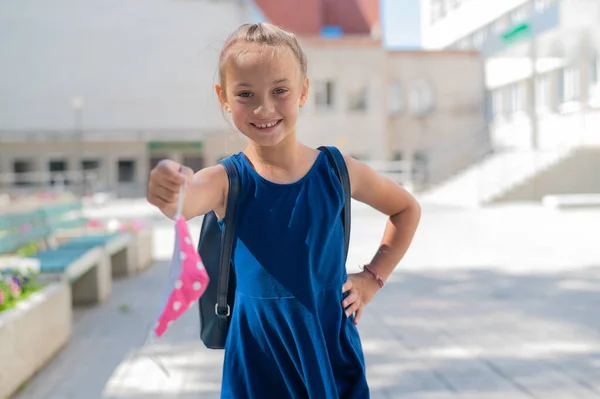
pixel 493 303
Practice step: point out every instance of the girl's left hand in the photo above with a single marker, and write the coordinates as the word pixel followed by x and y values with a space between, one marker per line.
pixel 362 288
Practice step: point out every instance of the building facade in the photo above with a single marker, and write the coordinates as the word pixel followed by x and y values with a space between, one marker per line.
pixel 102 94
pixel 541 59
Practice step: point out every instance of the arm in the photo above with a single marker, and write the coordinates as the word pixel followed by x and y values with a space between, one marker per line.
pixel 404 211
pixel 393 200
pixel 205 191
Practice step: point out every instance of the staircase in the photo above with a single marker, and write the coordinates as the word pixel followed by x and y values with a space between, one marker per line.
pixel 493 176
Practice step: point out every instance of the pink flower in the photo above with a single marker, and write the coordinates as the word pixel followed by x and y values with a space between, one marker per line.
pixel 15 287
pixel 1 297
pixel 94 223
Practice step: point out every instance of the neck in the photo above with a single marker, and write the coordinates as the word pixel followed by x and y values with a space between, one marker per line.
pixel 282 155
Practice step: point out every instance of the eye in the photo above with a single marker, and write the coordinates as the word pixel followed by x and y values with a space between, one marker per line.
pixel 280 91
pixel 245 94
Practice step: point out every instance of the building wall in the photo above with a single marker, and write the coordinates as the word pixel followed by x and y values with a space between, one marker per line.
pixel 566 86
pixel 443 22
pixel 138 64
pixel 148 92
pixel 454 133
pixel 349 68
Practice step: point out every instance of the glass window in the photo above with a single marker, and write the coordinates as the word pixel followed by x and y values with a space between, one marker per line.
pixel 358 99
pixel 395 98
pixel 572 84
pixel 126 170
pixel 324 94
pixel 542 92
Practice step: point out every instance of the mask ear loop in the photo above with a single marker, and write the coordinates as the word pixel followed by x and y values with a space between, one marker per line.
pixel 153 355
pixel 150 338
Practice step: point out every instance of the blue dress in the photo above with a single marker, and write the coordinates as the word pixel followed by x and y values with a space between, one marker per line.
pixel 289 336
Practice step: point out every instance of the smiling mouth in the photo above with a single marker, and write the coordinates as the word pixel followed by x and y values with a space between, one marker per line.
pixel 266 125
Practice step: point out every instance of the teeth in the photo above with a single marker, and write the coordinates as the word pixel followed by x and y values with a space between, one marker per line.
pixel 267 125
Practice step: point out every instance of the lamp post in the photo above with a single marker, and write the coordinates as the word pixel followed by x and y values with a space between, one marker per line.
pixel 77 103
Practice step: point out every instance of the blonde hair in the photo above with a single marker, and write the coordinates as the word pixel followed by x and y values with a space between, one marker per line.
pixel 265 34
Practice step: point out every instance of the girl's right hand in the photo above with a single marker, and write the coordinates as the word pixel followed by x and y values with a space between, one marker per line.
pixel 165 181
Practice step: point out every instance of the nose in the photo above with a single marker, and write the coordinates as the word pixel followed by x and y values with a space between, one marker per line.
pixel 264 108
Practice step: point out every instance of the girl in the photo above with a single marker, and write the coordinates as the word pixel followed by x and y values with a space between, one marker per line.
pixel 293 332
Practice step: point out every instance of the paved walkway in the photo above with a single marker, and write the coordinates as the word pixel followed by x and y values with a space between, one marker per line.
pixel 491 304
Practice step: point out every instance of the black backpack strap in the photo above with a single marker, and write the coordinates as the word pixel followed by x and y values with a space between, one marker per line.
pixel 222 308
pixel 341 170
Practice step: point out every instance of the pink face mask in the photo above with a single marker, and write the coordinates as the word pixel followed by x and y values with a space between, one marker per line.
pixel 188 278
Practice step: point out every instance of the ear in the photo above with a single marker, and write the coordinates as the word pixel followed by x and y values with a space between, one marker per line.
pixel 221 95
pixel 304 93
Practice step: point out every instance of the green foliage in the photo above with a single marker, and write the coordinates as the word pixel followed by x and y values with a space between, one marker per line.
pixel 16 286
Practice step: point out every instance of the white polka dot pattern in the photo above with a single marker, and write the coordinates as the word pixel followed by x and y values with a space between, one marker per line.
pixel 190 284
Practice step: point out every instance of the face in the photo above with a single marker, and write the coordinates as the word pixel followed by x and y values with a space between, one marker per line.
pixel 263 92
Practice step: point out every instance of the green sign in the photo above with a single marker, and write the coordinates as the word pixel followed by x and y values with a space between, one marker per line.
pixel 174 145
pixel 516 33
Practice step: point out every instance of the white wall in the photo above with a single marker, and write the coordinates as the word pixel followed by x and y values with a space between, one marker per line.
pixel 138 64
pixel 470 16
pixel 349 68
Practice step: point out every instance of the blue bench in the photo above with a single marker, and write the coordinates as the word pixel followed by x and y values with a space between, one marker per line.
pixel 68 228
pixel 86 269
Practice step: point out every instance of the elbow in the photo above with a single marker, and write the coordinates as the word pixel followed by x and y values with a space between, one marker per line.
pixel 411 210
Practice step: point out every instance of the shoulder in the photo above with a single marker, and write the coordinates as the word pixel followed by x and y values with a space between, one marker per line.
pixel 376 190
pixel 212 186
pixel 216 173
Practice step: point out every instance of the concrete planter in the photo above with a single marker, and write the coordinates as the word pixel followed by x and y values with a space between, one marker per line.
pixel 142 249
pixel 32 333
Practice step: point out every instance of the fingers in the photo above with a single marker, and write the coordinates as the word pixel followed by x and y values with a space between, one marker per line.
pixel 358 314
pixel 347 286
pixel 165 181
pixel 166 194
pixel 353 308
pixel 350 299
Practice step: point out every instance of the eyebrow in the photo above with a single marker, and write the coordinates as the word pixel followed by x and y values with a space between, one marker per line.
pixel 275 82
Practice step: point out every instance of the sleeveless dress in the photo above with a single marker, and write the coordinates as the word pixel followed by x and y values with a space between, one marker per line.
pixel 289 336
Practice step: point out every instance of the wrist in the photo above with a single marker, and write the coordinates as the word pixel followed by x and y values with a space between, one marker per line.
pixel 371 272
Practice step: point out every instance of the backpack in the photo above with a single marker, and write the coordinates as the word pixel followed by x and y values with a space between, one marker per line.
pixel 216 246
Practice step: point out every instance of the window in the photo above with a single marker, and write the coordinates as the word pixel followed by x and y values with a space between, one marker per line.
pixel 395 98
pixel 126 170
pixel 419 167
pixel 22 169
pixel 421 98
pixel 90 164
pixel 542 92
pixel 357 100
pixel 517 99
pixel 500 25
pixel 594 63
pixel 479 38
pixel 498 107
pixel 155 159
pixel 572 84
pixel 464 43
pixel 196 163
pixel 59 165
pixel 518 15
pixel 541 5
pixel 594 85
pixel 58 169
pixel 324 94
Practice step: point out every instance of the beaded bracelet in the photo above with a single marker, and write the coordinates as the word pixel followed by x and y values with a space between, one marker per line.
pixel 371 270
